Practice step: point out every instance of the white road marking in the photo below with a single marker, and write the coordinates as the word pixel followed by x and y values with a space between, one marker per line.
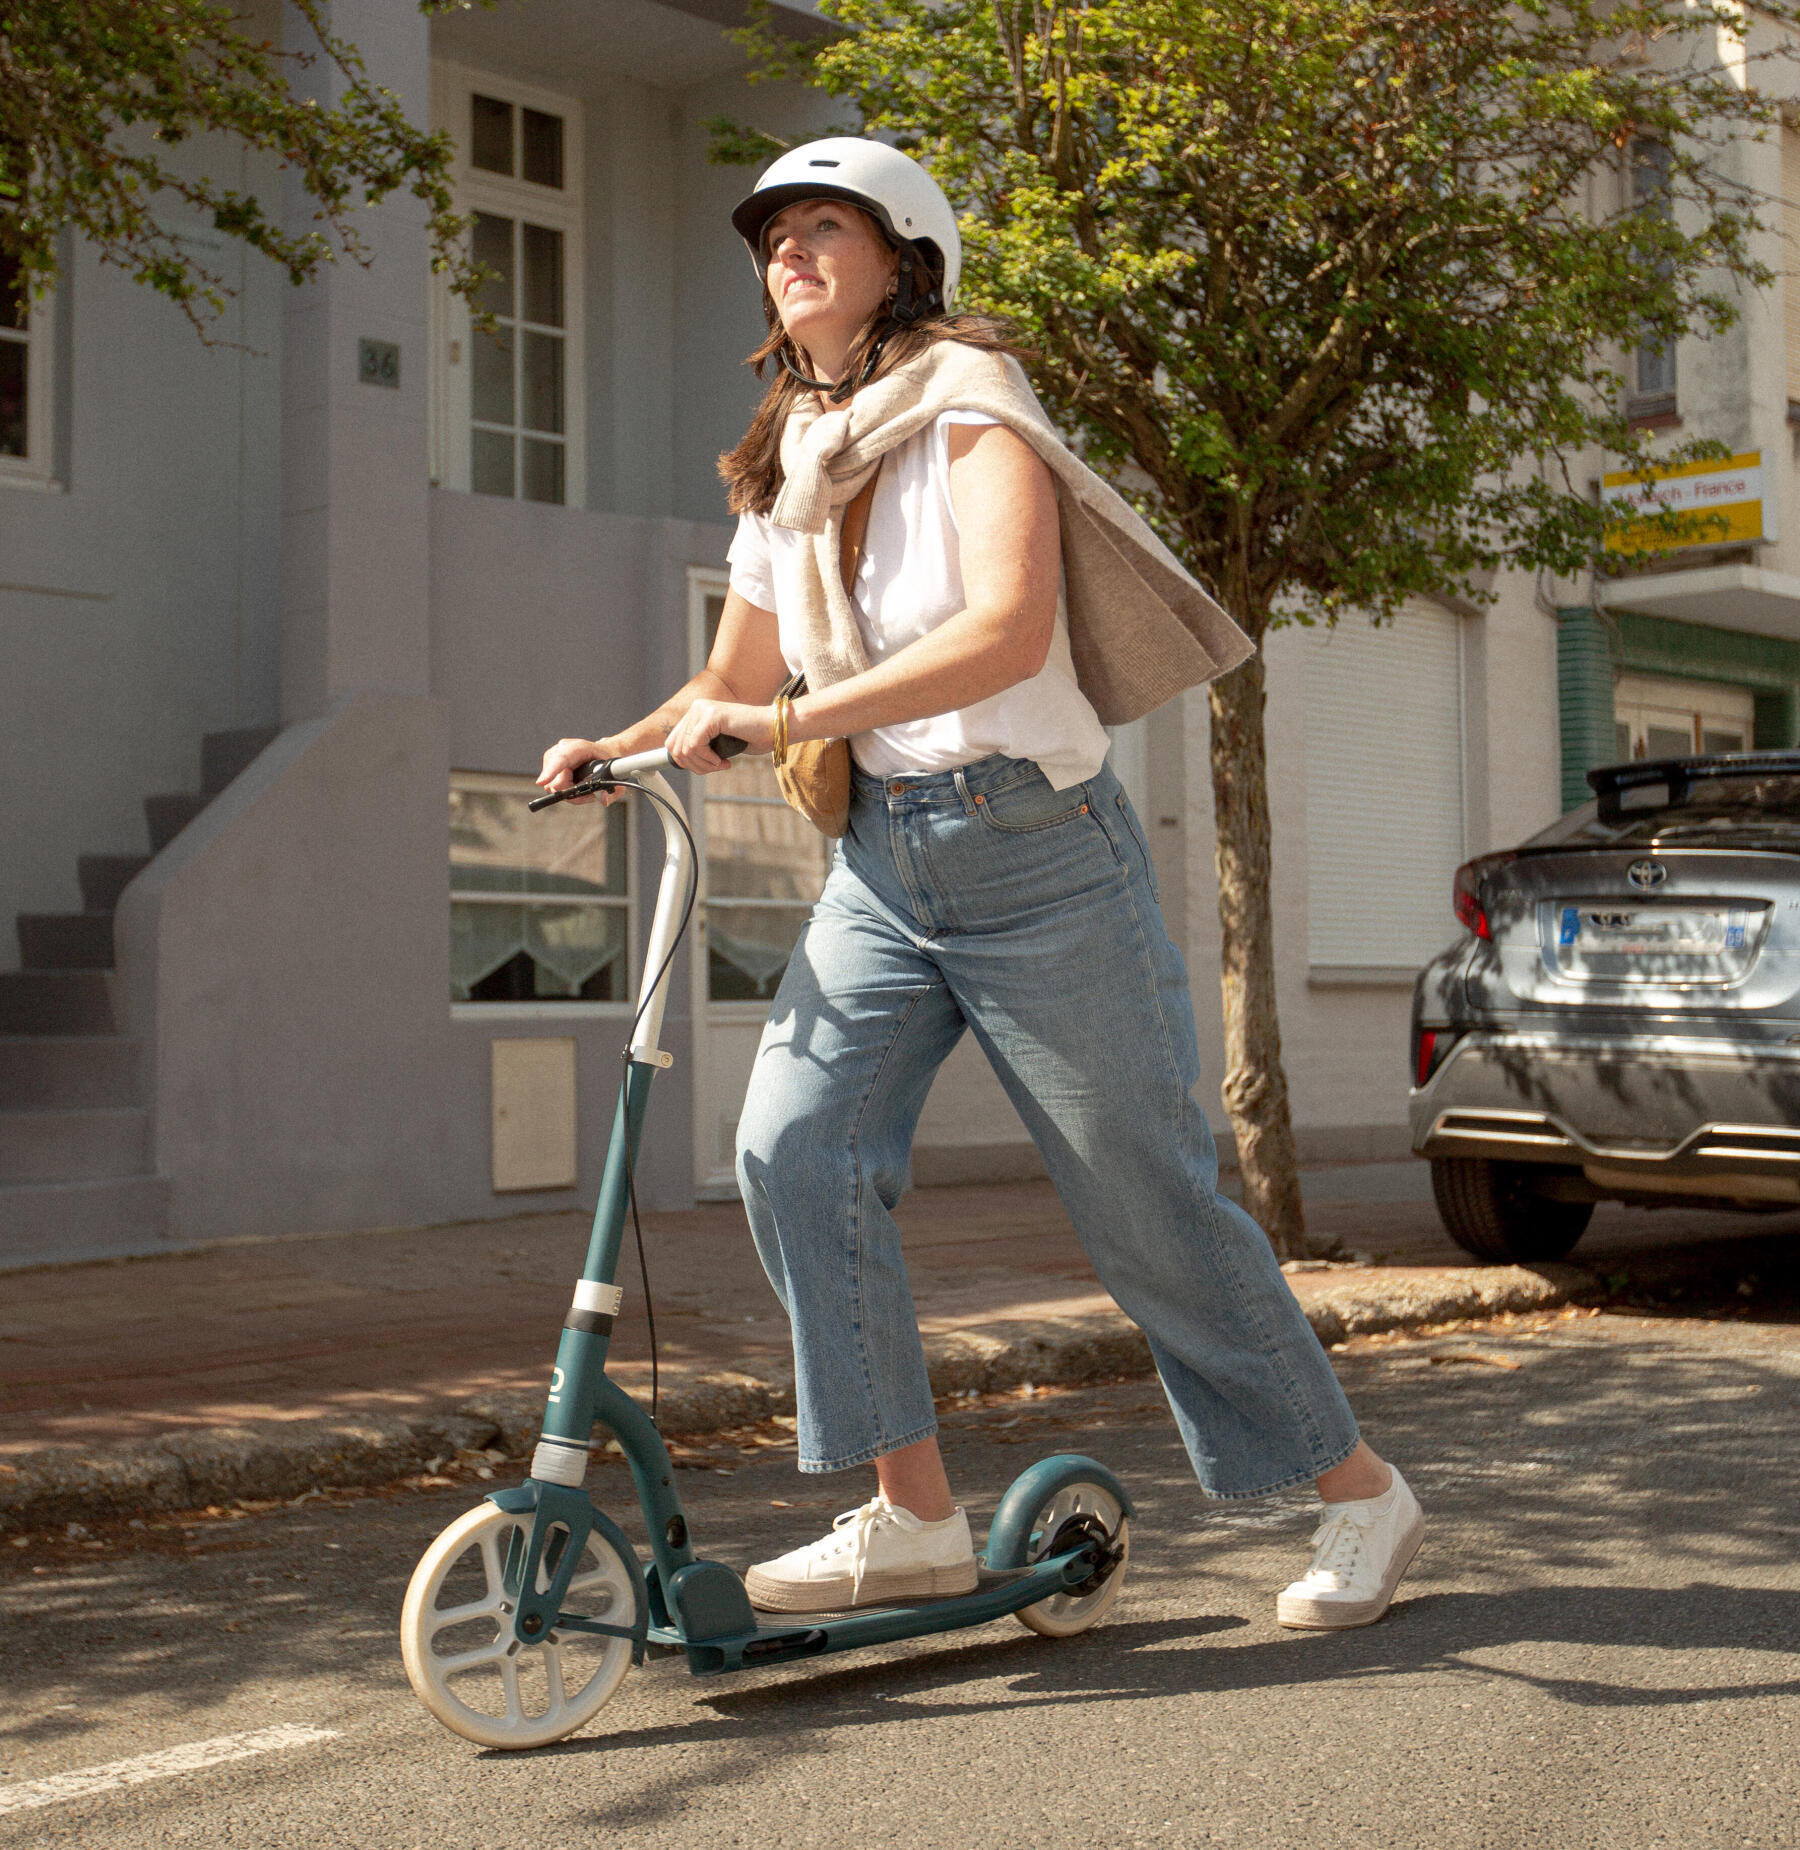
pixel 170 1761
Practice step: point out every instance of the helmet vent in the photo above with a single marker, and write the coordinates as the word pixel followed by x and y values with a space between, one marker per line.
pixel 822 163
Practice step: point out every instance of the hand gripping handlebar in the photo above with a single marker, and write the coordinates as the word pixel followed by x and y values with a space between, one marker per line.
pixel 603 773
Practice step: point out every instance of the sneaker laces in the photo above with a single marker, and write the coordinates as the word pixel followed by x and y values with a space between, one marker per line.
pixel 1337 1547
pixel 874 1514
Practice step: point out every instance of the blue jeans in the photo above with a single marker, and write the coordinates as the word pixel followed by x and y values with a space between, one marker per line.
pixel 983 898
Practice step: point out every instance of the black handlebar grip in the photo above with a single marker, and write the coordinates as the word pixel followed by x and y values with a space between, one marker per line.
pixel 728 746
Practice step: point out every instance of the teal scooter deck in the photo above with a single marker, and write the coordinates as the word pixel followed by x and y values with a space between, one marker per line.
pixel 538 1571
pixel 1003 1595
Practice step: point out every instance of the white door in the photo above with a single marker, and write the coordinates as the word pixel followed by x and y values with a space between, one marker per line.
pixel 1130 755
pixel 761 868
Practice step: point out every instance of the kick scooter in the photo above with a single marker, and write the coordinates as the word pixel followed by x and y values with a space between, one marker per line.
pixel 523 1617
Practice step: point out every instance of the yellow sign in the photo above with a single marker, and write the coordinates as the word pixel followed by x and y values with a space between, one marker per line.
pixel 1729 493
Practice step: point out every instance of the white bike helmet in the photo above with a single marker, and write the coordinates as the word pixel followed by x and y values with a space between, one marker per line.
pixel 891 187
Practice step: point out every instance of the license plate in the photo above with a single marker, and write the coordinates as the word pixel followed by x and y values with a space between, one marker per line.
pixel 1658 933
pixel 1648 944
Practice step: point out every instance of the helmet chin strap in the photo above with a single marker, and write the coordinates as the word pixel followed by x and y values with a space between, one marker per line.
pixel 837 394
pixel 905 306
pixel 823 387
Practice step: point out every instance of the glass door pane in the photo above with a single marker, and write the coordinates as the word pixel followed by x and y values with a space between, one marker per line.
pixel 765 865
pixel 15 370
pixel 1667 741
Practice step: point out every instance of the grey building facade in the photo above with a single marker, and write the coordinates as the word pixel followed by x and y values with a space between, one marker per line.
pixel 268 600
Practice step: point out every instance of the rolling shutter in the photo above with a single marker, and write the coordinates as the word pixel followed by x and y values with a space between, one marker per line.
pixel 1384 811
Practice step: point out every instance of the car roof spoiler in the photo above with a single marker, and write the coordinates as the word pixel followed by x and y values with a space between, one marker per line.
pixel 1664 783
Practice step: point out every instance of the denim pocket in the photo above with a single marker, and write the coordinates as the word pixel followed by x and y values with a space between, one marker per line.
pixel 1133 828
pixel 1024 807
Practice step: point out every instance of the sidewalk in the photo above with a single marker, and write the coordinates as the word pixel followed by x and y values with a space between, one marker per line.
pixel 268 1368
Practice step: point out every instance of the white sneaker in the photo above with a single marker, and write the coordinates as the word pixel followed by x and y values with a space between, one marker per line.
pixel 1360 1551
pixel 872 1555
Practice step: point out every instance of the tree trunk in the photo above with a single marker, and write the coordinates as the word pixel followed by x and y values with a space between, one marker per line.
pixel 1254 1089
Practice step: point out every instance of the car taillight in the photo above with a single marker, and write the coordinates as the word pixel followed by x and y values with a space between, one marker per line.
pixel 1431 1048
pixel 1465 892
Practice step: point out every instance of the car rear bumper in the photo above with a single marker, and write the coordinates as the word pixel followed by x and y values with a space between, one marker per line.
pixel 1649 1114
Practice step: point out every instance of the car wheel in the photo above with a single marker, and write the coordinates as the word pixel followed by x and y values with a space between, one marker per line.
pixel 1494 1211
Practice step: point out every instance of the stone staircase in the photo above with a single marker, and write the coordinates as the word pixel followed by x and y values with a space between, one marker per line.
pixel 75 1176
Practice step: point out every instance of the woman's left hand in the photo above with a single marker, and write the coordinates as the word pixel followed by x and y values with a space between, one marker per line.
pixel 690 744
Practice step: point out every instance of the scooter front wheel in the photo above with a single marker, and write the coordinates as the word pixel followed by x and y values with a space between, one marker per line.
pixel 465 1665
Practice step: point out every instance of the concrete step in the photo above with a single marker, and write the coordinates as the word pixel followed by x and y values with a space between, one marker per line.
pixel 69 1072
pixel 66 940
pixel 105 876
pixel 73 1146
pixel 226 755
pixel 48 1223
pixel 169 813
pixel 56 1002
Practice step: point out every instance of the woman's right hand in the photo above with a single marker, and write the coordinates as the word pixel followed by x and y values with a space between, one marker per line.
pixel 568 758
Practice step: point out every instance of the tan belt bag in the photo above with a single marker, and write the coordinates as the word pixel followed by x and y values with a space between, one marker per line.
pixel 815 776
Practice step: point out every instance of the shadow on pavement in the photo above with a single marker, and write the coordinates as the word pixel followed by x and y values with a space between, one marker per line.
pixel 1596 1494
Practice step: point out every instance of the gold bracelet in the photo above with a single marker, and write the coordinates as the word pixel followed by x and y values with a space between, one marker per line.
pixel 782 706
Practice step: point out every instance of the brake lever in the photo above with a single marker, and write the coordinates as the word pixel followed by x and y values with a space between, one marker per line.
pixel 592 780
pixel 596 774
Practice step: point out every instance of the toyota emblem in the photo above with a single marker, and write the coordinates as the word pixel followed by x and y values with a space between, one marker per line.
pixel 1646 875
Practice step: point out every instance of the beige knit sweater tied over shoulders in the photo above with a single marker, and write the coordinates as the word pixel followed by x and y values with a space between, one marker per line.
pixel 1140 628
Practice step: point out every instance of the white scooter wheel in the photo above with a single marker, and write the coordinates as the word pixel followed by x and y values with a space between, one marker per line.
pixel 456 1637
pixel 1062 1615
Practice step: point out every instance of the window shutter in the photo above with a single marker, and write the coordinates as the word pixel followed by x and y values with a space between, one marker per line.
pixel 1384 810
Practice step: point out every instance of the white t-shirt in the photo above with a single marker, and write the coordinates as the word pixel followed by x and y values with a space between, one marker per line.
pixel 909 581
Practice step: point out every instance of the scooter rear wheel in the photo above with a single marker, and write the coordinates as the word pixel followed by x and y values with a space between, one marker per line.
pixel 468 1669
pixel 1063 1517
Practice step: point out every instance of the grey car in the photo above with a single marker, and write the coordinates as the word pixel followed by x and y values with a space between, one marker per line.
pixel 1622 1020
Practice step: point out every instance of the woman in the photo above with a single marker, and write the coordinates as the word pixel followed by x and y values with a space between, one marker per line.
pixel 993 877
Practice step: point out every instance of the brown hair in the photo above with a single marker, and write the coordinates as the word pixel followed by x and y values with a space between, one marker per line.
pixel 752 472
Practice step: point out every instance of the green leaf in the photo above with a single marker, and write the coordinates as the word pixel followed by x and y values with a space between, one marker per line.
pixel 93 92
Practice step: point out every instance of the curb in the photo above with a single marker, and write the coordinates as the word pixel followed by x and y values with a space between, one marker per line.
pixel 287 1458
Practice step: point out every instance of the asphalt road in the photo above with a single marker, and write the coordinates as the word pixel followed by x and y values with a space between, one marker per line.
pixel 1599 1646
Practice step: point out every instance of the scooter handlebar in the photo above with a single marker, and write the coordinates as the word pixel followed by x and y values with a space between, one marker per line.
pixel 603 773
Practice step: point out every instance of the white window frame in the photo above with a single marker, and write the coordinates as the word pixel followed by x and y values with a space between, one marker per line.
pixel 1790 228
pixel 1662 397
pixel 476 190
pixel 1726 705
pixel 554 1008
pixel 36 468
pixel 703 581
